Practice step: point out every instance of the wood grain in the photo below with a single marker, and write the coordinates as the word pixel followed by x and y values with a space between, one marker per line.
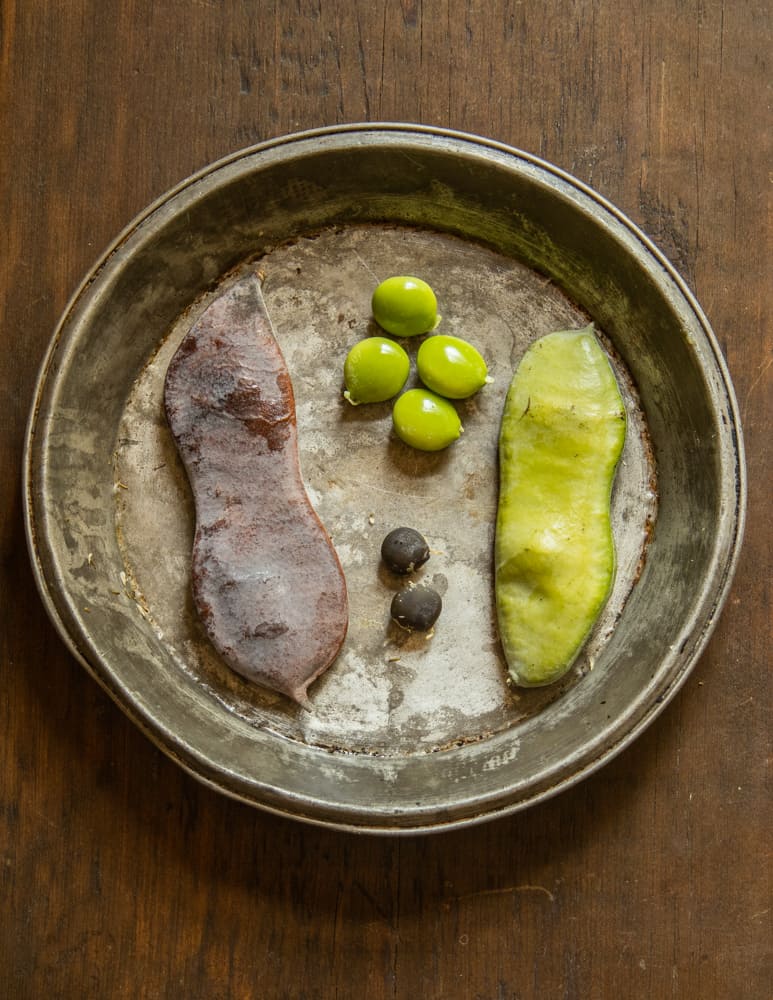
pixel 122 877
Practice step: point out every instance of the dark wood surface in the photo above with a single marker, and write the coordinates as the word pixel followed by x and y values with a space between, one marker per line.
pixel 119 875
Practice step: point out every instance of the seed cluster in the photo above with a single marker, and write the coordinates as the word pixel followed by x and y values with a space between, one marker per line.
pixel 376 368
pixel 417 606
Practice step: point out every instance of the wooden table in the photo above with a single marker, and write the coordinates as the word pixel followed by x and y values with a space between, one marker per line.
pixel 120 876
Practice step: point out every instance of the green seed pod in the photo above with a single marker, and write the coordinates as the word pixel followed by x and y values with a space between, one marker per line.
pixel 562 432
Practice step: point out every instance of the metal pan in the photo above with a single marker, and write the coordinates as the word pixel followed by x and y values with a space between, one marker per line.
pixel 406 733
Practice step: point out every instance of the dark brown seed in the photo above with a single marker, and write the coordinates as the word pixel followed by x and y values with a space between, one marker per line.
pixel 404 550
pixel 416 608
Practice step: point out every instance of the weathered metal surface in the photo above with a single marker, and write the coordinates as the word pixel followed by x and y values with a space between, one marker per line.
pixel 406 732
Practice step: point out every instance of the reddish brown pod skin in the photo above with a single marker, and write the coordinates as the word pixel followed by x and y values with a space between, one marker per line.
pixel 267 582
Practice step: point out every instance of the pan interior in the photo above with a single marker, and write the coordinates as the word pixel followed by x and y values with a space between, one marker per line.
pixel 389 692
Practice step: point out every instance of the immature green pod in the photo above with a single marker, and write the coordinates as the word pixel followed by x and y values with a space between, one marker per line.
pixel 562 432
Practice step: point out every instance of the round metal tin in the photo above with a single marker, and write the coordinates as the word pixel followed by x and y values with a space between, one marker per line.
pixel 407 733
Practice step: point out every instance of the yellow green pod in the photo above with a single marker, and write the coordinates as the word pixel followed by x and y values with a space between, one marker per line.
pixel 562 432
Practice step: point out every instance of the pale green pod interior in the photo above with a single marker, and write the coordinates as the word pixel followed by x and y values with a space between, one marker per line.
pixel 562 433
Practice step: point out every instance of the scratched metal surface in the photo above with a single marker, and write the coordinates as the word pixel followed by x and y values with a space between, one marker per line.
pixel 388 692
pixel 406 733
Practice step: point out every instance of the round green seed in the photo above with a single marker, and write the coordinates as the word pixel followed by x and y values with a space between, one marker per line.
pixel 375 370
pixel 451 367
pixel 425 420
pixel 405 306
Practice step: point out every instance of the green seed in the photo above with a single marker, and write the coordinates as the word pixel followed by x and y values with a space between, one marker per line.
pixel 405 306
pixel 425 421
pixel 375 370
pixel 451 367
